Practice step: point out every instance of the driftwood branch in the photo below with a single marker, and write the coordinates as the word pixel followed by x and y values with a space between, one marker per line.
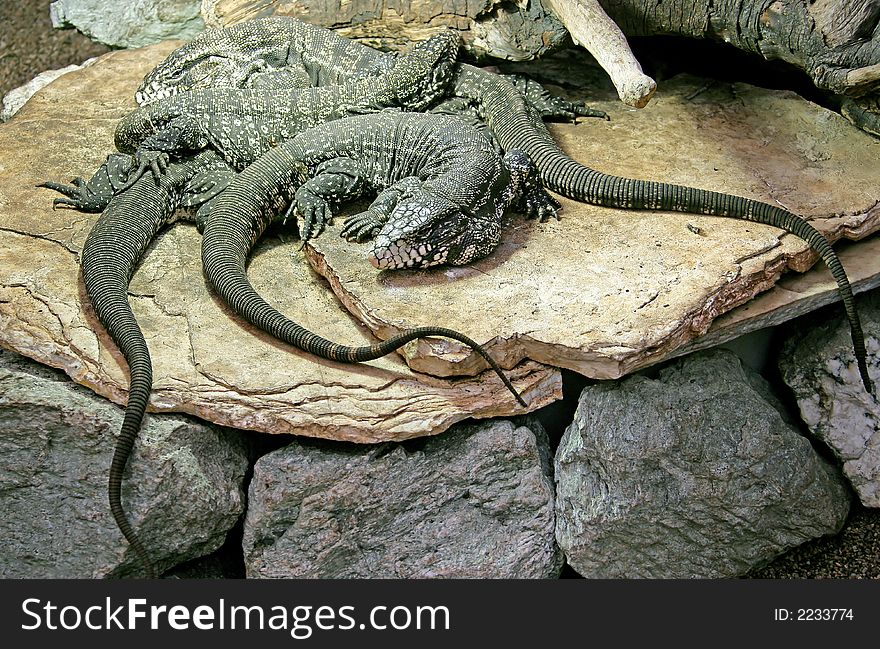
pixel 591 27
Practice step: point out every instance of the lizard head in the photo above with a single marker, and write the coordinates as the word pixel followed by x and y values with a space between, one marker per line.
pixel 230 57
pixel 199 63
pixel 188 69
pixel 423 73
pixel 426 229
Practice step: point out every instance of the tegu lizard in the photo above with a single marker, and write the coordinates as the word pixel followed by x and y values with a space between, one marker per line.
pixel 443 188
pixel 508 106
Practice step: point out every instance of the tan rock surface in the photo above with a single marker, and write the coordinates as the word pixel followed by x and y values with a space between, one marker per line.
pixel 795 295
pixel 604 292
pixel 205 362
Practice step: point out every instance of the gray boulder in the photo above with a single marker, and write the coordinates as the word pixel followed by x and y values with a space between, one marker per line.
pixel 817 362
pixel 476 501
pixel 134 23
pixel 182 489
pixel 694 474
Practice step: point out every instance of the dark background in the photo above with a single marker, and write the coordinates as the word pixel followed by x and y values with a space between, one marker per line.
pixel 29 45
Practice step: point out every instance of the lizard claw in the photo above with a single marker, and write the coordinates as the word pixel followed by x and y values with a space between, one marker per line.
pixel 537 203
pixel 580 109
pixel 314 211
pixel 66 203
pixel 156 162
pixel 77 196
pixel 362 226
pixel 158 166
pixel 558 108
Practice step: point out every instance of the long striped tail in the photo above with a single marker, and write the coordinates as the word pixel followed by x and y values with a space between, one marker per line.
pixel 510 118
pixel 109 257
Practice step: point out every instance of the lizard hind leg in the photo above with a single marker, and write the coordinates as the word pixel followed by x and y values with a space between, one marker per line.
pixel 77 196
pixel 550 106
pixel 94 195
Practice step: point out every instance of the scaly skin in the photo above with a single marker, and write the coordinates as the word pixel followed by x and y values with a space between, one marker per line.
pixel 111 252
pixel 244 124
pixel 446 168
pixel 510 113
pixel 281 52
pixel 272 53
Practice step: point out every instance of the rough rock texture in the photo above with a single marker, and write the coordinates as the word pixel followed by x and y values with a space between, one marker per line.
pixel 694 474
pixel 604 292
pixel 476 501
pixel 852 554
pixel 17 97
pixel 507 30
pixel 182 490
pixel 817 362
pixel 205 362
pixel 133 23
pixel 793 296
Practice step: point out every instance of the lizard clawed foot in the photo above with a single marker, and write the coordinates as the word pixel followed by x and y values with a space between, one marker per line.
pixel 314 211
pixel 582 110
pixel 538 204
pixel 362 226
pixel 79 196
pixel 557 108
pixel 156 162
pixel 550 106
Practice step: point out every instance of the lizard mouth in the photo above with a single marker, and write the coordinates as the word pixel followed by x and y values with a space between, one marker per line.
pixel 152 93
pixel 398 254
pixel 437 246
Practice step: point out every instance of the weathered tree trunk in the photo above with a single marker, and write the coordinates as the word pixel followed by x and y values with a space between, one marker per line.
pixel 836 42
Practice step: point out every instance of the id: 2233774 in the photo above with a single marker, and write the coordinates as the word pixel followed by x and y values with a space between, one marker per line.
pixel 813 615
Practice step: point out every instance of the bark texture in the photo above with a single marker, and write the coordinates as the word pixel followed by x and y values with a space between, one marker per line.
pixel 836 42
pixel 509 30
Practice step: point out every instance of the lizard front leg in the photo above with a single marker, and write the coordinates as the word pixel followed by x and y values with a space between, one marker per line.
pixel 203 189
pixel 180 135
pixel 333 181
pixel 365 225
pixel 525 190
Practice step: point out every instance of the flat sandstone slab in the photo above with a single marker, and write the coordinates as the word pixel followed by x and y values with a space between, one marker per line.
pixel 206 362
pixel 603 291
